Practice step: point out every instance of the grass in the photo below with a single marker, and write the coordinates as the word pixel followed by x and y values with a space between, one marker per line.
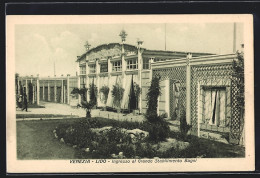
pixel 42 115
pixel 35 140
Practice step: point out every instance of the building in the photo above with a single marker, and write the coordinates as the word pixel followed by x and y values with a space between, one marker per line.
pixel 51 89
pixel 201 84
pixel 119 63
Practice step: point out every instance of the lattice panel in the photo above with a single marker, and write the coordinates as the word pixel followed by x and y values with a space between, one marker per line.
pixel 236 122
pixel 176 74
pixel 206 75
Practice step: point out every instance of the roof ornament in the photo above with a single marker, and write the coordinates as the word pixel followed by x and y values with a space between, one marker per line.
pixel 123 35
pixel 87 45
pixel 139 43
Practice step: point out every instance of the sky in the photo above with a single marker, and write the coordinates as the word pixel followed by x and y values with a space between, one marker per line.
pixel 38 47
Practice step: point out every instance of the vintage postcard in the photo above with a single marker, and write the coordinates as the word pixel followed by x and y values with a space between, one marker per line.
pixel 129 93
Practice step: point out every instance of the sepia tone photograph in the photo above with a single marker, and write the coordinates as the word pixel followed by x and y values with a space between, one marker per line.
pixel 145 93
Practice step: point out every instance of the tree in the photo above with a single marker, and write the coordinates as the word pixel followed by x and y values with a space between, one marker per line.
pixel 16 82
pixel 239 79
pixel 30 97
pixel 158 128
pixel 105 90
pixel 93 93
pixel 152 95
pixel 117 93
pixel 132 96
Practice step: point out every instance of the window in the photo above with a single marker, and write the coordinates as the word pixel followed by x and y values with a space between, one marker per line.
pixel 82 70
pixel 214 106
pixel 92 69
pixel 82 82
pixel 159 59
pixel 103 68
pixel 146 63
pixel 117 66
pixel 132 64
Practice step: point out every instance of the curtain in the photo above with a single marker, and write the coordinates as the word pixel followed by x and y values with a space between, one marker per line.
pixel 125 100
pixel 214 107
pixel 112 81
pixel 210 96
pixel 222 108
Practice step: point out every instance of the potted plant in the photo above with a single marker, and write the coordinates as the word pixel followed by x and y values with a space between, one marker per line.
pixel 117 93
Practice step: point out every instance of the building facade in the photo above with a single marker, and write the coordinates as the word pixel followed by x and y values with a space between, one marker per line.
pixel 120 63
pixel 48 89
pixel 201 84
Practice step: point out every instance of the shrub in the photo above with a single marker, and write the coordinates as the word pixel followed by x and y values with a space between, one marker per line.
pixel 105 91
pixel 184 127
pixel 152 95
pixel 157 127
pixel 117 93
pixel 93 94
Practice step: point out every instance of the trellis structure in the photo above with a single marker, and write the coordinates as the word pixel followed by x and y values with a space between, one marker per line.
pixel 197 76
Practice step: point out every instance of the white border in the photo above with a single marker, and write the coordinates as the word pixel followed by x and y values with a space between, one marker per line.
pixel 57 166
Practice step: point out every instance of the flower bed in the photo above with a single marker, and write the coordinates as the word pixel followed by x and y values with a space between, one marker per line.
pixel 105 138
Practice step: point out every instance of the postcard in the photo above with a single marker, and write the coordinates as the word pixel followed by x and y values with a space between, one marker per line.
pixel 129 93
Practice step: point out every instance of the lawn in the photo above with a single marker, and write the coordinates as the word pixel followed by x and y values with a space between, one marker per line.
pixel 42 115
pixel 35 140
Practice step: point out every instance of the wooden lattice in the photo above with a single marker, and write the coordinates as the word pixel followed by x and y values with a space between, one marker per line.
pixel 176 74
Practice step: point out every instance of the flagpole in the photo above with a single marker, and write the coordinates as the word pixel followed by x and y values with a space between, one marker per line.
pixel 234 38
pixel 165 36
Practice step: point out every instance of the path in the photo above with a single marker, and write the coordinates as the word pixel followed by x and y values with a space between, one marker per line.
pixel 64 109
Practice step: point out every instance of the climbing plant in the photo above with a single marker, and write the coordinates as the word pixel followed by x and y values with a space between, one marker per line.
pixel 117 93
pixel 105 90
pixel 158 128
pixel 93 93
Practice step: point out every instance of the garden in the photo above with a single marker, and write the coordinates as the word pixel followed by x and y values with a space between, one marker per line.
pixel 107 138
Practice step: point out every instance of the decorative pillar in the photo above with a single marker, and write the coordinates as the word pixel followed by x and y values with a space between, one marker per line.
pixel 49 94
pixel 124 65
pixel 87 78
pixel 167 97
pixel 18 83
pixel 55 89
pixel 188 90
pixel 68 89
pixel 62 91
pixel 140 67
pixel 38 90
pixel 26 88
pixel 98 78
pixel 43 93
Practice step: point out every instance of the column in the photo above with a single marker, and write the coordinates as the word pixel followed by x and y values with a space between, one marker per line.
pixel 61 91
pixel 87 79
pixel 32 90
pixel 43 92
pixel 78 80
pixel 68 89
pixel 167 97
pixel 49 93
pixel 188 90
pixel 19 86
pixel 97 81
pixel 33 95
pixel 38 90
pixel 55 89
pixel 140 67
pixel 26 86
pixel 124 65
